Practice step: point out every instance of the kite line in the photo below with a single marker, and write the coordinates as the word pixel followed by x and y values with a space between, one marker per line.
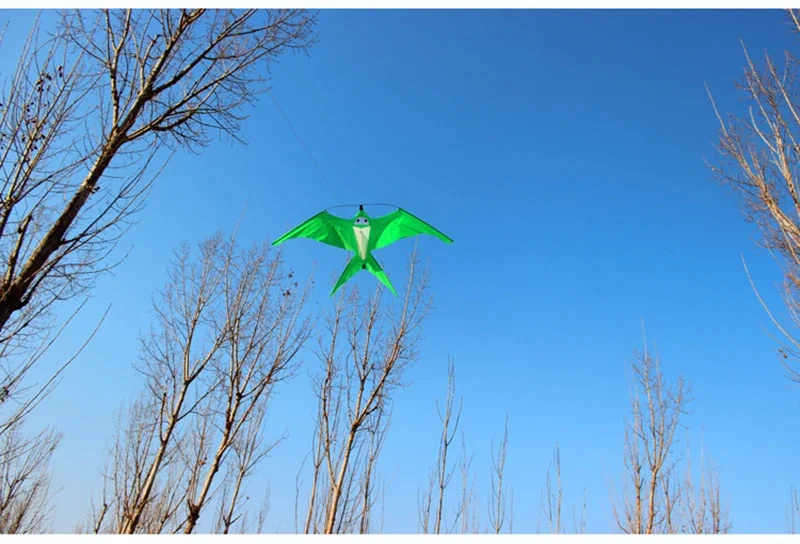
pixel 310 156
pixel 296 135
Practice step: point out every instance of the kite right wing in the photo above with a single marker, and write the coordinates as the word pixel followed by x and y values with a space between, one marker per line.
pixel 401 224
pixel 325 228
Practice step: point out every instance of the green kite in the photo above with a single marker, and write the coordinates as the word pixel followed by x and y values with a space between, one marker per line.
pixel 362 235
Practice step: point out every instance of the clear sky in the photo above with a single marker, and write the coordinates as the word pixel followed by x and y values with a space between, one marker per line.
pixel 563 151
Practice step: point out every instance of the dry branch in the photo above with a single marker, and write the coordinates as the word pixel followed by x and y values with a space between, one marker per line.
pixel 498 501
pixel 84 116
pixel 227 332
pixel 656 496
pixel 366 348
pixel 442 474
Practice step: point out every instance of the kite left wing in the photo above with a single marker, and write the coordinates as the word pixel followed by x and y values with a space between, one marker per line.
pixel 401 224
pixel 325 228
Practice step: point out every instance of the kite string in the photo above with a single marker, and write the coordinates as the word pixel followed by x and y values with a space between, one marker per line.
pixel 310 156
pixel 296 135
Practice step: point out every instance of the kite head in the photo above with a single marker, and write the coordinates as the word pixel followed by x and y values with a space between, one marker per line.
pixel 361 219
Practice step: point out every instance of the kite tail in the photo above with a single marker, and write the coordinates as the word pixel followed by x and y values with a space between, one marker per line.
pixel 376 270
pixel 357 264
pixel 353 266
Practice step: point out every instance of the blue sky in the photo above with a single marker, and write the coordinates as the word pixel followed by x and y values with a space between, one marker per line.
pixel 563 151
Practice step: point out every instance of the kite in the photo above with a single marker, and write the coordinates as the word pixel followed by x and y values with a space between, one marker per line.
pixel 362 235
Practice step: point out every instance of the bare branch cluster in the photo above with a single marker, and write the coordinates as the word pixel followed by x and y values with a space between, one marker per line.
pixel 760 155
pixel 498 501
pixel 656 498
pixel 703 510
pixel 442 475
pixel 83 117
pixel 25 483
pixel 364 352
pixel 553 496
pixel 94 102
pixel 759 159
pixel 227 331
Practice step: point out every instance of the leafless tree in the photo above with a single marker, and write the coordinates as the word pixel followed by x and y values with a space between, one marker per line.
pixel 467 512
pixel 365 349
pixel 759 160
pixel 368 489
pixel 552 505
pixel 579 524
pixel 424 504
pixel 228 327
pixel 25 486
pixel 248 448
pixel 657 409
pixel 498 501
pixel 553 497
pixel 793 511
pixel 657 497
pixel 24 456
pixel 84 116
pixel 442 474
pixel 132 80
pixel 703 511
pixel 34 104
pixel 137 435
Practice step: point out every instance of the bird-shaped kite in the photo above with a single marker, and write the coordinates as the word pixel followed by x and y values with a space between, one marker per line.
pixel 362 235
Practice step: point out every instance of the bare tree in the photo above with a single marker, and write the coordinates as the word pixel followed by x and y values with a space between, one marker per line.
pixel 703 511
pixel 579 525
pixel 759 160
pixel 369 481
pixel 364 352
pixel 24 457
pixel 498 502
pixel 442 474
pixel 424 504
pixel 36 98
pixel 83 117
pixel 552 504
pixel 553 497
pixel 25 486
pixel 134 80
pixel 467 512
pixel 137 436
pixel 657 409
pixel 249 448
pixel 657 497
pixel 259 317
pixel 227 331
pixel 793 511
